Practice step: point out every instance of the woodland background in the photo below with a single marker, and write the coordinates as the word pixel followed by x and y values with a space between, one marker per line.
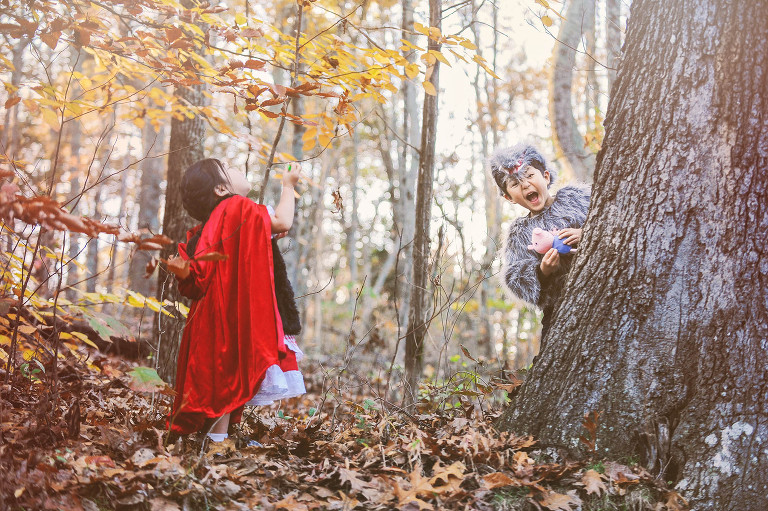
pixel 392 108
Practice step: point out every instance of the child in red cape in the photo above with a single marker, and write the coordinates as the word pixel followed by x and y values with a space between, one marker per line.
pixel 233 337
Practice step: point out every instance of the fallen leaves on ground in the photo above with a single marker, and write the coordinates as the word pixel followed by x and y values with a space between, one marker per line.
pixel 98 442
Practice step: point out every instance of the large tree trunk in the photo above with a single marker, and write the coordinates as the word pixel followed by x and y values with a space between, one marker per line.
pixel 664 320
pixel 420 291
pixel 185 148
pixel 569 142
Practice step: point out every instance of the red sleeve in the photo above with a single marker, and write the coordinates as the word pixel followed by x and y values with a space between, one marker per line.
pixel 193 285
pixel 188 287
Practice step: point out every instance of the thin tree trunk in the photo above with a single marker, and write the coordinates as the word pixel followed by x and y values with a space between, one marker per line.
pixel 92 254
pixel 352 229
pixel 409 171
pixel 568 140
pixel 591 85
pixel 612 38
pixel 73 247
pixel 314 230
pixel 420 291
pixel 115 245
pixel 293 256
pixel 152 143
pixel 663 322
pixel 10 142
pixel 490 193
pixel 385 268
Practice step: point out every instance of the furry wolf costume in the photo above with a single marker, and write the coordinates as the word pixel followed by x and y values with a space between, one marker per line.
pixel 522 273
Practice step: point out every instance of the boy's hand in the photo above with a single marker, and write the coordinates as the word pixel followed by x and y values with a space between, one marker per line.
pixel 550 262
pixel 291 177
pixel 178 266
pixel 570 236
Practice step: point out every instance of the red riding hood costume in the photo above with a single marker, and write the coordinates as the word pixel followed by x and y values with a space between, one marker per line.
pixel 233 337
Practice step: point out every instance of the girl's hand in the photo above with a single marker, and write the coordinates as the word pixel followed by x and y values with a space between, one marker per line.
pixel 292 174
pixel 283 217
pixel 570 236
pixel 178 266
pixel 550 262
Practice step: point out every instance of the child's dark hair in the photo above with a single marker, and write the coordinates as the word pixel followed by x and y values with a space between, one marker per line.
pixel 507 163
pixel 197 193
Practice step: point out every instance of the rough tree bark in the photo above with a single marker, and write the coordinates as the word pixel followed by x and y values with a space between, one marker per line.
pixel 420 290
pixel 569 143
pixel 185 148
pixel 664 320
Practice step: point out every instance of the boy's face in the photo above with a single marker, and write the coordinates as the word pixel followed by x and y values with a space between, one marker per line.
pixel 531 191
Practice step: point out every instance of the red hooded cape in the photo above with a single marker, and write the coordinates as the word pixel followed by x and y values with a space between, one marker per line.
pixel 233 331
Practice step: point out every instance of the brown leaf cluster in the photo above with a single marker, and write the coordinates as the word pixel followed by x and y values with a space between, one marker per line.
pixel 95 443
pixel 48 213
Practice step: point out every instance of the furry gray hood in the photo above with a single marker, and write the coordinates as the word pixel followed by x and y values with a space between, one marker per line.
pixel 507 162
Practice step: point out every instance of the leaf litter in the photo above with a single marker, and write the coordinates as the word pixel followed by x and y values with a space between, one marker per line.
pixel 95 439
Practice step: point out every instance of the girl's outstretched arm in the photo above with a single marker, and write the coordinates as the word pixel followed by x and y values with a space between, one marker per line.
pixel 188 285
pixel 283 217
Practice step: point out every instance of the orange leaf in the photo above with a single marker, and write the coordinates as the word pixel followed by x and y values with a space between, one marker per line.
pixel 251 32
pixel 100 461
pixel 51 39
pixel 254 64
pixel 271 115
pixel 466 353
pixel 497 480
pixel 561 502
pixel 12 101
pixel 272 102
pixel 148 245
pixel 173 33
pixel 593 482
pixel 82 36
pixel 212 256
pixel 290 504
pixel 429 88
pixel 160 239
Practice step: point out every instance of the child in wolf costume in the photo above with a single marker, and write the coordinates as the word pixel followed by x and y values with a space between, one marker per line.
pixel 524 178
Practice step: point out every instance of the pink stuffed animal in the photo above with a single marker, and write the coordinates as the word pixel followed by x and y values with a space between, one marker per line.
pixel 542 241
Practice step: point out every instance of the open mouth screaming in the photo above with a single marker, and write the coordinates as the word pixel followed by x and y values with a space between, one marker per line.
pixel 532 197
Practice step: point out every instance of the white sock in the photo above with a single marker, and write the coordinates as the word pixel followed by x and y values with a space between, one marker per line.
pixel 218 437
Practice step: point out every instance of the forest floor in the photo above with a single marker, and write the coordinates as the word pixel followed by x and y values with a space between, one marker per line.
pixel 91 437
